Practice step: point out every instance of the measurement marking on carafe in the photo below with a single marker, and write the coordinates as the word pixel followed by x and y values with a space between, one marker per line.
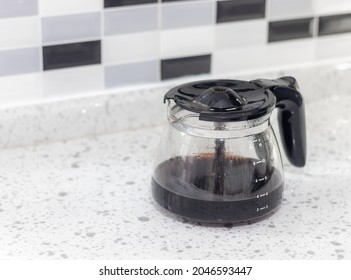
pixel 259 161
pixel 261 195
pixel 262 208
pixel 261 179
pixel 253 141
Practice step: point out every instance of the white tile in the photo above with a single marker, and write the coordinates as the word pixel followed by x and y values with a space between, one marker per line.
pixel 186 42
pixel 289 9
pixel 20 89
pixel 130 47
pixel 290 52
pixel 254 58
pixel 330 7
pixel 19 32
pixel 335 46
pixel 237 60
pixel 76 80
pixel 241 33
pixel 64 7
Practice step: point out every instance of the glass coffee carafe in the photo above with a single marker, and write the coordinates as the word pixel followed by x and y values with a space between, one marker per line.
pixel 218 160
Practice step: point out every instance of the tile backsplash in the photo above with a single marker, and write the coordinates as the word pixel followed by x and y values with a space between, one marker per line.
pixel 57 47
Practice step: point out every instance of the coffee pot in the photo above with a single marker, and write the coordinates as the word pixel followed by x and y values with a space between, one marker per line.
pixel 218 160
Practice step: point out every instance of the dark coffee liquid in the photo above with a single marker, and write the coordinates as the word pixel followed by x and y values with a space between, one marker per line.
pixel 232 190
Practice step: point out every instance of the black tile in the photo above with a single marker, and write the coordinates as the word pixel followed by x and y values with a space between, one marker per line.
pixel 173 68
pixel 70 55
pixel 290 29
pixel 334 24
pixel 117 3
pixel 235 10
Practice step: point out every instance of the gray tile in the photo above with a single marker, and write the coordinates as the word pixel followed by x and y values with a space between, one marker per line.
pixel 117 3
pixel 72 27
pixel 335 24
pixel 131 74
pixel 19 61
pixel 131 20
pixel 185 66
pixel 235 10
pixel 18 8
pixel 290 29
pixel 71 55
pixel 177 15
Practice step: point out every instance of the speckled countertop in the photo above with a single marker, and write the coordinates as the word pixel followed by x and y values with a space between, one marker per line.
pixel 90 199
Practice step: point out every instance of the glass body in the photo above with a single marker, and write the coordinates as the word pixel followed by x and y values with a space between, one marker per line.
pixel 217 172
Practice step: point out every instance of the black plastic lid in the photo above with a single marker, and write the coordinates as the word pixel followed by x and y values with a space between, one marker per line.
pixel 224 100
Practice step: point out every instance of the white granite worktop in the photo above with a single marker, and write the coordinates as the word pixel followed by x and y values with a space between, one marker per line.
pixel 91 199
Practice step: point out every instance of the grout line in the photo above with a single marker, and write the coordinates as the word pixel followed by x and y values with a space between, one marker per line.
pixel 159 30
pixel 22 46
pixel 131 7
pixel 41 54
pixel 267 5
pixel 315 26
pixel 266 18
pixel 40 42
pixel 130 61
pixel 315 36
pixel 72 41
pixel 214 32
pixel 102 36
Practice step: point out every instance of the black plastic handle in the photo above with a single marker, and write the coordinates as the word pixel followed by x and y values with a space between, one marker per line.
pixel 291 117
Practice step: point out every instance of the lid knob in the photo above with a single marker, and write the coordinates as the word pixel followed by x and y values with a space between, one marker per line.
pixel 219 98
